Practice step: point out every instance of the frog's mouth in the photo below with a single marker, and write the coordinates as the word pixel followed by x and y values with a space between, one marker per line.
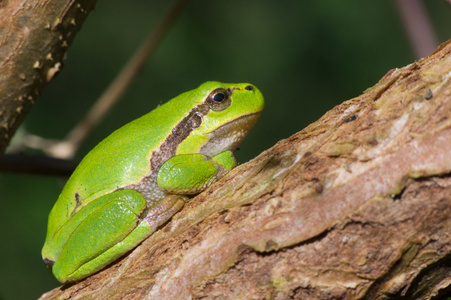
pixel 230 135
pixel 49 263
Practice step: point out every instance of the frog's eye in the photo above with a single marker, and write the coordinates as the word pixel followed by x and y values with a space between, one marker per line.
pixel 219 99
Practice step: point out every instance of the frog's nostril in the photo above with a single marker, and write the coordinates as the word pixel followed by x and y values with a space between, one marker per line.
pixel 249 88
pixel 48 262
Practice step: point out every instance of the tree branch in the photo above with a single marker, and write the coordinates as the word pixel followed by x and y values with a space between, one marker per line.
pixel 34 35
pixel 68 147
pixel 37 164
pixel 354 206
pixel 418 27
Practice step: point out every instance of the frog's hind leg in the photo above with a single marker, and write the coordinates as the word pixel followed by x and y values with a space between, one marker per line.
pixel 103 225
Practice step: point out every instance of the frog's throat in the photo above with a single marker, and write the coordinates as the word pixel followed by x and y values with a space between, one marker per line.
pixel 229 135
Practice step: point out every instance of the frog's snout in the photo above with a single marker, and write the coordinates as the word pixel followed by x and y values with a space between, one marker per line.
pixel 49 263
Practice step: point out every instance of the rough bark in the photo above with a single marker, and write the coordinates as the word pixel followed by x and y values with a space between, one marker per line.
pixel 34 35
pixel 355 206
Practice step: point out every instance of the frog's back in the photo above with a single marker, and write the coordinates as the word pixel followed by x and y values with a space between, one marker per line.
pixel 121 159
pixel 124 156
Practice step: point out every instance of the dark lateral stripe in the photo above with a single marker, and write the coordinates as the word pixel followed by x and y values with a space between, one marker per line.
pixel 178 134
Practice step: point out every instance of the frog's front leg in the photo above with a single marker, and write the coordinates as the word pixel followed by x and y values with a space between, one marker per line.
pixel 107 228
pixel 189 174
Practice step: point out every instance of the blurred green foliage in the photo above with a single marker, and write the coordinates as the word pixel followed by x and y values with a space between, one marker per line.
pixel 305 56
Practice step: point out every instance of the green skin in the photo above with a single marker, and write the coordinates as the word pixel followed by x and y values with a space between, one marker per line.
pixel 137 178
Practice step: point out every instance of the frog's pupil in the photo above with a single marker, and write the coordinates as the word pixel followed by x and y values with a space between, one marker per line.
pixel 219 97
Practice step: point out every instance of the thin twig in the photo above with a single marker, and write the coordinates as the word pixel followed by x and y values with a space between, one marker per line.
pixel 68 147
pixel 37 164
pixel 418 27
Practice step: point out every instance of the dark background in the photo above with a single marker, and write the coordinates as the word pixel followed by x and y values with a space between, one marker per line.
pixel 305 56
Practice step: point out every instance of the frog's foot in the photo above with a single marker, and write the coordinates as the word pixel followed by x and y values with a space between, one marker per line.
pixel 162 211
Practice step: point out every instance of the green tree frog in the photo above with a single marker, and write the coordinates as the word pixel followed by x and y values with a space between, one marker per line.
pixel 137 178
